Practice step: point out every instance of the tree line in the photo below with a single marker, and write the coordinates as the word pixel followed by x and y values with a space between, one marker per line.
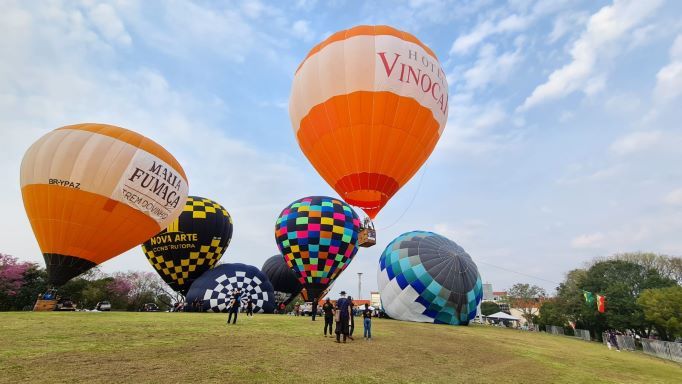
pixel 22 282
pixel 643 296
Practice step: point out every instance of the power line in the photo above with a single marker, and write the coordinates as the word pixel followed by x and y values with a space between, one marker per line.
pixel 517 272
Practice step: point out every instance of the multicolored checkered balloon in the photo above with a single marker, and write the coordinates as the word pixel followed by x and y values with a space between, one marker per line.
pixel 317 236
pixel 426 277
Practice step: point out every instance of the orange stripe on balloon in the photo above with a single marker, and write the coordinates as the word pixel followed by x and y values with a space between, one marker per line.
pixel 367 30
pixel 392 140
pixel 82 224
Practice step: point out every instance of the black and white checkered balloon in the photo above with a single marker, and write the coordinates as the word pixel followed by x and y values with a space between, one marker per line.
pixel 214 288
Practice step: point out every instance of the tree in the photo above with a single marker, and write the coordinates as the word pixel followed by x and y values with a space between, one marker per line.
pixel 18 283
pixel 667 266
pixel 489 307
pixel 663 308
pixel 550 313
pixel 526 298
pixel 621 282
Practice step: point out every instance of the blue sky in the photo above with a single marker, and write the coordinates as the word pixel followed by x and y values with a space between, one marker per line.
pixel 562 143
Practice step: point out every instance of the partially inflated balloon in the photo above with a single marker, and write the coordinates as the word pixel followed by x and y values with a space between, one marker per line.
pixel 214 288
pixel 367 106
pixel 317 236
pixel 426 277
pixel 192 244
pixel 93 191
pixel 283 279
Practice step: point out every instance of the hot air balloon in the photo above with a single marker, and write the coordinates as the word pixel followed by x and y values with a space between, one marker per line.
pixel 93 191
pixel 283 279
pixel 426 277
pixel 367 106
pixel 214 288
pixel 317 236
pixel 192 244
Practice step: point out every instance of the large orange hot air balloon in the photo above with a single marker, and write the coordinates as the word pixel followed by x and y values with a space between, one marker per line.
pixel 368 106
pixel 93 191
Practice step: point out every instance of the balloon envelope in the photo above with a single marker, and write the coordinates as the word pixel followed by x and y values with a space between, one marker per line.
pixel 192 243
pixel 283 279
pixel 317 236
pixel 426 277
pixel 93 191
pixel 367 106
pixel 214 288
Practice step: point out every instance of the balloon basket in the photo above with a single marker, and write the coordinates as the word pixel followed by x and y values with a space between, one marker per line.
pixel 367 237
pixel 45 305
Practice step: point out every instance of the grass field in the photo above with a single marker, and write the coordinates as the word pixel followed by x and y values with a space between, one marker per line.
pixel 188 347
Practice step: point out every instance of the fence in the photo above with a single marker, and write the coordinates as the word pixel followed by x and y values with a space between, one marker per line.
pixel 554 330
pixel 582 334
pixel 663 349
pixel 624 342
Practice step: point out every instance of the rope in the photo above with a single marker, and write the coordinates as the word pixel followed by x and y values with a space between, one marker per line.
pixel 414 196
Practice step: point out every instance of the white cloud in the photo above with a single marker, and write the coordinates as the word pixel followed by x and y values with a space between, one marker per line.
pixel 669 78
pixel 301 29
pixel 107 22
pixel 564 24
pixel 593 240
pixel 472 128
pixel 604 30
pixel 636 142
pixel 461 233
pixel 463 44
pixel 490 67
pixel 674 197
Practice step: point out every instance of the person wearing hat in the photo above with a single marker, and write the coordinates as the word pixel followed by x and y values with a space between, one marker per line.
pixel 342 317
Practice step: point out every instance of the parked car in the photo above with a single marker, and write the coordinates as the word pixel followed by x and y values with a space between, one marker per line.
pixel 103 306
pixel 65 305
pixel 149 307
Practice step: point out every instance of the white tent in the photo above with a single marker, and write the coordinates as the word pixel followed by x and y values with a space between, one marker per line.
pixel 502 316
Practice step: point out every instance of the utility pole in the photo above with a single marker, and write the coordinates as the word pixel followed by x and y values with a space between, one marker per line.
pixel 359 285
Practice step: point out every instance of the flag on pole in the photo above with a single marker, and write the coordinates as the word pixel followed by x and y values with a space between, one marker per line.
pixel 589 297
pixel 601 303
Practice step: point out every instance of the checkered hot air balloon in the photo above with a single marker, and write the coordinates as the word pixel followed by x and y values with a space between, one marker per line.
pixel 191 244
pixel 214 288
pixel 317 236
pixel 284 280
pixel 426 277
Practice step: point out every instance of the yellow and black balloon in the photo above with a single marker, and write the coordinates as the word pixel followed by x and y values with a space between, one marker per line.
pixel 192 244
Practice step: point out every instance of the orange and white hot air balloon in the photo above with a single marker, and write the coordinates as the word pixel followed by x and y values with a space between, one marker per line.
pixel 367 106
pixel 93 191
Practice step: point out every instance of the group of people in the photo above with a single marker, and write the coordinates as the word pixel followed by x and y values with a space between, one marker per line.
pixel 342 315
pixel 234 305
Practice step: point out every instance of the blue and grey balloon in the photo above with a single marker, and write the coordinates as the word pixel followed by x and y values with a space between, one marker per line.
pixel 428 278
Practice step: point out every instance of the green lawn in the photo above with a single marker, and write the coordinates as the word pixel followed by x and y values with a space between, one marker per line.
pixel 189 347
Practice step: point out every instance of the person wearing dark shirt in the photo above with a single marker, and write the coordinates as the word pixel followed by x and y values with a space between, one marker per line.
pixel 249 307
pixel 328 309
pixel 343 317
pixel 314 312
pixel 234 307
pixel 367 322
pixel 351 328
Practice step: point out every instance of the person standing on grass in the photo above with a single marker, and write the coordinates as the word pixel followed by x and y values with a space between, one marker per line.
pixel 367 322
pixel 352 318
pixel 342 317
pixel 249 307
pixel 314 310
pixel 234 306
pixel 328 309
